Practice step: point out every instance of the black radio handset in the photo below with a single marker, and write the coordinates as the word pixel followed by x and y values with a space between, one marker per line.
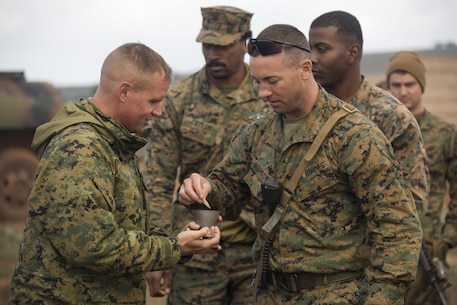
pixel 271 193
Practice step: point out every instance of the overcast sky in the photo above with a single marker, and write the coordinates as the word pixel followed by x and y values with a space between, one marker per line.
pixel 65 42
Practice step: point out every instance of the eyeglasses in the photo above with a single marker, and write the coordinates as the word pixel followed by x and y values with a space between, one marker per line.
pixel 269 46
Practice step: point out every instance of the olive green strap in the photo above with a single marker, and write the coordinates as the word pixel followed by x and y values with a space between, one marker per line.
pixel 291 184
pixel 345 110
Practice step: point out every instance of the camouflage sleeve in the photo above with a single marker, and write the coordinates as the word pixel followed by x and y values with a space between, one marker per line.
pixel 450 227
pixel 410 152
pixel 224 179
pixel 393 228
pixel 161 162
pixel 394 231
pixel 80 215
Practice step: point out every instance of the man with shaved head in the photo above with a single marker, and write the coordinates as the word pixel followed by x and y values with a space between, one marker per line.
pixel 88 237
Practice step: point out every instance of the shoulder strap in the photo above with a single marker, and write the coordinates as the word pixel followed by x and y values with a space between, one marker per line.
pixel 291 184
pixel 328 126
pixel 288 190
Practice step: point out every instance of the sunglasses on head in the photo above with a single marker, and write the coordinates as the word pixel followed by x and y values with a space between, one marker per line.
pixel 269 46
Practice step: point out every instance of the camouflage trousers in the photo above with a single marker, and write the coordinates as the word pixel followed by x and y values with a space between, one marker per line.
pixel 341 293
pixel 229 283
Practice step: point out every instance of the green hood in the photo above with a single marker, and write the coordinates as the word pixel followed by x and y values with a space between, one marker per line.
pixel 83 111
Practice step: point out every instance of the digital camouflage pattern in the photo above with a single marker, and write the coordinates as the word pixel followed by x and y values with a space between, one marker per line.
pixel 350 211
pixel 193 134
pixel 229 284
pixel 340 293
pixel 401 129
pixel 87 238
pixel 223 25
pixel 440 138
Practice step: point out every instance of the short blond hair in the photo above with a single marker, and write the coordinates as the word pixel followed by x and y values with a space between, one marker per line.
pixel 133 62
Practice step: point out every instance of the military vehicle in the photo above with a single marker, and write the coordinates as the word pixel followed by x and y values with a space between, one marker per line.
pixel 23 106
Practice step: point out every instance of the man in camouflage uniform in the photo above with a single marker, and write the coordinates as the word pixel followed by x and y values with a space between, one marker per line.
pixel 406 81
pixel 336 42
pixel 350 233
pixel 200 115
pixel 87 238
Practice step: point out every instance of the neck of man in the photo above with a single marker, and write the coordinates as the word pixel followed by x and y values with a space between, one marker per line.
pixel 418 110
pixel 347 86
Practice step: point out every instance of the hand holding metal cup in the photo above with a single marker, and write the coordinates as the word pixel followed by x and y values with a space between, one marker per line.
pixel 206 218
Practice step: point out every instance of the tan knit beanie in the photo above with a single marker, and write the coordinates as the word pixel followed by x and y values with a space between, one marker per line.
pixel 410 62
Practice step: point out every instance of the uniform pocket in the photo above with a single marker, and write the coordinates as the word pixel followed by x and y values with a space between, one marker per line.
pixel 199 131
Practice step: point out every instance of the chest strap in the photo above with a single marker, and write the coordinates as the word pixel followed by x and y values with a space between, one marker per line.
pixel 291 184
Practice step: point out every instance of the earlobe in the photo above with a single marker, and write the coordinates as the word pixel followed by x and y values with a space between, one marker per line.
pixel 354 54
pixel 306 68
pixel 123 91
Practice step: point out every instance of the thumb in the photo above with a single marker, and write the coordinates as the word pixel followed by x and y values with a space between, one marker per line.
pixel 188 234
pixel 197 234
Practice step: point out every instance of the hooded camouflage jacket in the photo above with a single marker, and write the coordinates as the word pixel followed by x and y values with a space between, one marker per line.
pixel 401 129
pixel 350 210
pixel 87 238
pixel 440 139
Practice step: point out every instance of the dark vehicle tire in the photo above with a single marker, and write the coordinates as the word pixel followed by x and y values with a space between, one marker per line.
pixel 17 170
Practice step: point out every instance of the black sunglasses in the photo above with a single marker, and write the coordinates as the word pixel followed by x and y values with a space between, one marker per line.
pixel 269 46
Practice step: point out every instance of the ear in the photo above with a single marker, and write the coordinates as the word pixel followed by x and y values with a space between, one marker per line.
pixel 306 68
pixel 354 54
pixel 123 90
pixel 245 46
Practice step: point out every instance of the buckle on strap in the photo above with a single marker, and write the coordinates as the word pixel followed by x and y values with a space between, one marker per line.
pixel 291 283
pixel 288 281
pixel 349 108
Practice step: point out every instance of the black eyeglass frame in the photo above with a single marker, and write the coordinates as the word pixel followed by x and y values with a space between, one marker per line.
pixel 252 43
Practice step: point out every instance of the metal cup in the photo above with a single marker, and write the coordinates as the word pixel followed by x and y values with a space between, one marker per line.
pixel 206 218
